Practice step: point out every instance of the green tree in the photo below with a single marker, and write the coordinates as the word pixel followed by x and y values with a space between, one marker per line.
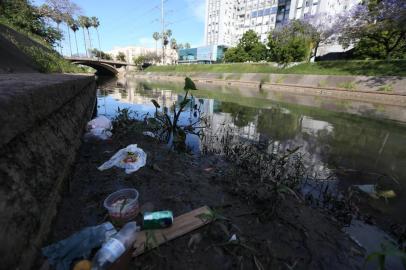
pixel 377 29
pixel 319 30
pixel 251 44
pixel 249 48
pixel 54 14
pixel 102 54
pixel 23 15
pixel 187 45
pixel 289 43
pixel 235 55
pixel 139 60
pixel 120 57
pixel 62 11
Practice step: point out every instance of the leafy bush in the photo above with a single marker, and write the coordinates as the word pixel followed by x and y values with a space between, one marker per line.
pixel 101 54
pixel 235 55
pixel 290 43
pixel 249 48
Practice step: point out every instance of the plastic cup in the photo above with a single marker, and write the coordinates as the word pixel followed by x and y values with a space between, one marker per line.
pixel 122 205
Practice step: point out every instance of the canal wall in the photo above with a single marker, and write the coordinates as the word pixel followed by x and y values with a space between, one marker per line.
pixel 384 90
pixel 42 119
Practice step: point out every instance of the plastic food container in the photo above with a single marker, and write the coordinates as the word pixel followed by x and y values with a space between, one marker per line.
pixel 122 205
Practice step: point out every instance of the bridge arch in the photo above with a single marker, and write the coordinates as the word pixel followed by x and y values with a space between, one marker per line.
pixel 100 67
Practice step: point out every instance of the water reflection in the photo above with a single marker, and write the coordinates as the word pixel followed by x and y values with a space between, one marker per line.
pixel 354 149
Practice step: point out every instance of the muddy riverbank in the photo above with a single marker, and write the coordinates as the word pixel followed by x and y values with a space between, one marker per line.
pixel 294 236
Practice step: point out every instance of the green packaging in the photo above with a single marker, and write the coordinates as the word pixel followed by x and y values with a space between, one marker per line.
pixel 157 220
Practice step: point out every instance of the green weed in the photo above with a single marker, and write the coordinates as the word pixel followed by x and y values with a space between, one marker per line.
pixel 386 88
pixel 347 85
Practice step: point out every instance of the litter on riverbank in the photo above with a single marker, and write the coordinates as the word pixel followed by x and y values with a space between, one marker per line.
pixel 296 235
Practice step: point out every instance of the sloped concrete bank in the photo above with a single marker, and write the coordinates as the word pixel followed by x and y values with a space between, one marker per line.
pixel 42 119
pixel 384 90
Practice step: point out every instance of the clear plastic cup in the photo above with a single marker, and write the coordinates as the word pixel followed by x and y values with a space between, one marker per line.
pixel 122 205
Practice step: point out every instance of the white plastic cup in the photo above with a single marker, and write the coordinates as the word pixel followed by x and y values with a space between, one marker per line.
pixel 122 205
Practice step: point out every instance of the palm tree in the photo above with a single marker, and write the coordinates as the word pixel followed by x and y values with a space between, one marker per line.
pixel 69 21
pixel 88 24
pixel 82 22
pixel 166 35
pixel 58 19
pixel 55 15
pixel 62 11
pixel 96 23
pixel 75 27
pixel 156 36
pixel 174 44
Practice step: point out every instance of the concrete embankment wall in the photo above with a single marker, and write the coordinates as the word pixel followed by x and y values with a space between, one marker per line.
pixel 384 90
pixel 42 119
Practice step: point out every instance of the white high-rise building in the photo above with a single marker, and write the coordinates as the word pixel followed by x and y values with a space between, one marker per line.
pixel 228 20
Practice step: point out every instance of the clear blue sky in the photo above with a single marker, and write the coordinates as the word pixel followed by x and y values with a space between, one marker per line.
pixel 132 22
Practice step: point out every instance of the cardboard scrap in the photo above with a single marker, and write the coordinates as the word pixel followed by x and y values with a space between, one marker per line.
pixel 182 224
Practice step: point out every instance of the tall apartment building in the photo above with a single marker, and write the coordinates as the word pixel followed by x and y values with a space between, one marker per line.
pixel 228 20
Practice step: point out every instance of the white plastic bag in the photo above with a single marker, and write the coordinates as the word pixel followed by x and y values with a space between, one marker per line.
pixel 100 133
pixel 100 122
pixel 119 158
pixel 148 134
pixel 100 127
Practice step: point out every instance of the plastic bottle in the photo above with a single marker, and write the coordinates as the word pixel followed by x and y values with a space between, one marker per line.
pixel 115 247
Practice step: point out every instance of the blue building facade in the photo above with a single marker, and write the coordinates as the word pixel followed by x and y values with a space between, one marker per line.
pixel 206 54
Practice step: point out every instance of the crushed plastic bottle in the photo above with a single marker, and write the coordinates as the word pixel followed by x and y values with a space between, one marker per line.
pixel 79 245
pixel 115 247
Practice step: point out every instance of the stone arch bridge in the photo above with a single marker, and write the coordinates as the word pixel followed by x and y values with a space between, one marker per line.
pixel 102 66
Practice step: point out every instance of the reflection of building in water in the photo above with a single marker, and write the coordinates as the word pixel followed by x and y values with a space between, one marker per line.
pixel 165 98
pixel 312 126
